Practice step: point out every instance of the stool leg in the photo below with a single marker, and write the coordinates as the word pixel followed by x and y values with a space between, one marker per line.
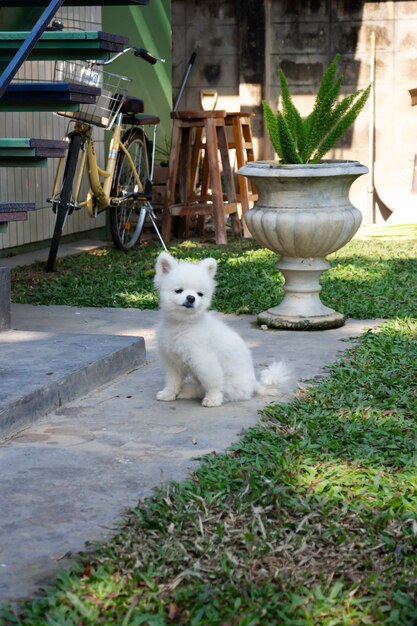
pixel 195 159
pixel 204 187
pixel 216 183
pixel 185 164
pixel 185 178
pixel 228 177
pixel 242 181
pixel 248 139
pixel 197 148
pixel 205 177
pixel 229 182
pixel 172 180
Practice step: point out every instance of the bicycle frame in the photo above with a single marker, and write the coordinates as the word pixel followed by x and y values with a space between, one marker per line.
pixel 118 187
pixel 99 195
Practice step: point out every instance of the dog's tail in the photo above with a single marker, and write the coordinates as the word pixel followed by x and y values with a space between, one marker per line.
pixel 275 375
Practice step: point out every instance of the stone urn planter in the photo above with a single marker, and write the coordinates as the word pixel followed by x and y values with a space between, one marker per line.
pixel 303 213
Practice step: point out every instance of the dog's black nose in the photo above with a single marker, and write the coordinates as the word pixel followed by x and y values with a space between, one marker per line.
pixel 190 299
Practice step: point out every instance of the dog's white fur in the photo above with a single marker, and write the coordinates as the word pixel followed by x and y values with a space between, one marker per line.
pixel 203 357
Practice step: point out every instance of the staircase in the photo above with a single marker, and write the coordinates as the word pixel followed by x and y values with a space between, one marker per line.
pixel 19 96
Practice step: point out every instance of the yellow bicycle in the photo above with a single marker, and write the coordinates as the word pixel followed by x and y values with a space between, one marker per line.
pixel 124 186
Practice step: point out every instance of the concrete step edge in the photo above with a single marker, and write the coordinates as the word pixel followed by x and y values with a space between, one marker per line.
pixel 22 412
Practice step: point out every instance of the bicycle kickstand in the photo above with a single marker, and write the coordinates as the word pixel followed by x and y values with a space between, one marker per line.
pixel 151 213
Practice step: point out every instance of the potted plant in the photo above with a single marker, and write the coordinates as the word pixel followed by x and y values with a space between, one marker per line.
pixel 303 212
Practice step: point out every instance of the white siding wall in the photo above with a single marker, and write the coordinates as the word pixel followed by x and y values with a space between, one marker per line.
pixel 35 184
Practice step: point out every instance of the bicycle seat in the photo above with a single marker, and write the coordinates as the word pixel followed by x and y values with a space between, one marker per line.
pixel 140 120
pixel 132 105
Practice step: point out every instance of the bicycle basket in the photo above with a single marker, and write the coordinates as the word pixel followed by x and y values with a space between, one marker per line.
pixel 113 89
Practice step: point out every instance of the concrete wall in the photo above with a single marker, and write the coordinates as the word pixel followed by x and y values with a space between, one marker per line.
pixel 241 45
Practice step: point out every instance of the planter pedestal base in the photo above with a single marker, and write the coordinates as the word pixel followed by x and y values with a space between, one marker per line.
pixel 301 307
pixel 298 322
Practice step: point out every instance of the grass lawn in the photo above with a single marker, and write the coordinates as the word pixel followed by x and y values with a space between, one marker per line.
pixel 311 518
pixel 370 278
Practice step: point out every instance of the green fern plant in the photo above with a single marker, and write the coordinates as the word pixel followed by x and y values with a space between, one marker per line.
pixel 306 140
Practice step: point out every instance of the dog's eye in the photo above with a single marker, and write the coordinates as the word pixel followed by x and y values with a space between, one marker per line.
pixel 200 294
pixel 179 290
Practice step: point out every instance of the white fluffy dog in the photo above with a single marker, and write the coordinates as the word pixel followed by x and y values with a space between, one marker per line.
pixel 203 357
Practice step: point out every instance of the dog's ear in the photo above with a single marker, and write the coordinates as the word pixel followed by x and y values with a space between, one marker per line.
pixel 165 263
pixel 210 265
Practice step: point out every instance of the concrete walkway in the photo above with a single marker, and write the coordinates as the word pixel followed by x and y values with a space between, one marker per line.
pixel 83 437
pixel 69 477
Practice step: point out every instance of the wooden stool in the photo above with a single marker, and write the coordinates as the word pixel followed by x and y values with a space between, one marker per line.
pixel 242 142
pixel 198 134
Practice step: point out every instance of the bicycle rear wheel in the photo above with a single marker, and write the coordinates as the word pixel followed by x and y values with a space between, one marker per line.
pixel 63 204
pixel 128 218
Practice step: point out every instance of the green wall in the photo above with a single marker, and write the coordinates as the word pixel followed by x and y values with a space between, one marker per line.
pixel 22 18
pixel 148 27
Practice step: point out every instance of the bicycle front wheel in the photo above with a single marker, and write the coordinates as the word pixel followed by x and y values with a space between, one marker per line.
pixel 128 217
pixel 63 205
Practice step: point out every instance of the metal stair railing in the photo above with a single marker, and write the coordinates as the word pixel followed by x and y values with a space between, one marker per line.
pixel 28 45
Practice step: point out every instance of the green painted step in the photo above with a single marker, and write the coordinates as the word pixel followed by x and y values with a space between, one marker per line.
pixel 29 152
pixel 63 45
pixel 30 142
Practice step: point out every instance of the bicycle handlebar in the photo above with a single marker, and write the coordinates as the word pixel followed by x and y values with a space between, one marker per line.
pixel 146 56
pixel 138 52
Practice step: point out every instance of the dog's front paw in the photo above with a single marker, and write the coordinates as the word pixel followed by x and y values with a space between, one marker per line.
pixel 214 398
pixel 166 395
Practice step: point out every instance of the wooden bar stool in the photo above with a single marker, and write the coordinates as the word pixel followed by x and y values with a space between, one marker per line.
pixel 199 137
pixel 242 142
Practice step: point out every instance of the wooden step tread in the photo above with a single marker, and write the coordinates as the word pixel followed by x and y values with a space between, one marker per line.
pixel 6 207
pixel 63 45
pixel 51 106
pixel 15 211
pixel 47 96
pixel 31 142
pixel 67 44
pixel 29 152
pixel 63 36
pixel 51 86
